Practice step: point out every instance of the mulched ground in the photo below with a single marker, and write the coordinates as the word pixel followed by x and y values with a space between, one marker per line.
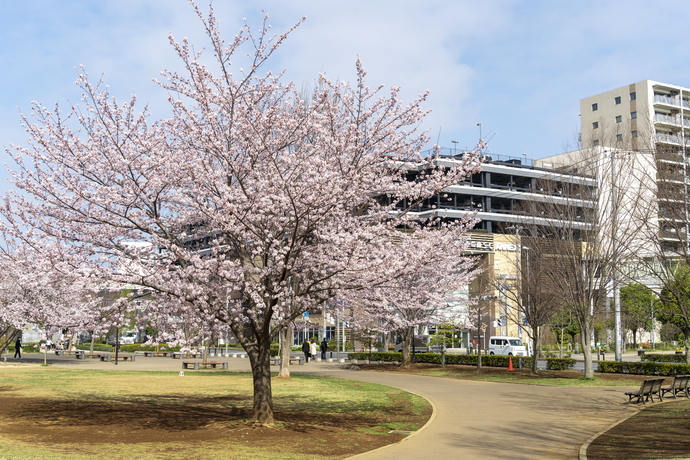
pixel 68 424
pixel 658 431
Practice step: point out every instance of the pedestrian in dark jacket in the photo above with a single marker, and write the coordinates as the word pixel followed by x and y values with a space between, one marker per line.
pixel 324 348
pixel 18 348
pixel 305 349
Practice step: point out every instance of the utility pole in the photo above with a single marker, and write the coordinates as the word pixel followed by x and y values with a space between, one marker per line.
pixel 614 262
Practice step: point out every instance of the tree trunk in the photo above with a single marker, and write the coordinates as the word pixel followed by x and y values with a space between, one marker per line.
pixel 286 337
pixel 386 341
pixel 536 344
pixel 587 352
pixel 407 334
pixel 687 349
pixel 260 359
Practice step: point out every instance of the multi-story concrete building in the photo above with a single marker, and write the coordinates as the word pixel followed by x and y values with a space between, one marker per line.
pixel 647 115
pixel 648 118
pixel 505 195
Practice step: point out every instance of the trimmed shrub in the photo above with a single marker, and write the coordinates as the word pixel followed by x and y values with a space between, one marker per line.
pixel 435 358
pixel 96 347
pixel 559 364
pixel 275 349
pixel 643 368
pixel 663 358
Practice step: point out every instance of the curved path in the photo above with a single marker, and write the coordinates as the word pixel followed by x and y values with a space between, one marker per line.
pixel 472 419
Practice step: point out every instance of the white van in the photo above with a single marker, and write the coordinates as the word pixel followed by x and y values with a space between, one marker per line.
pixel 511 346
pixel 129 338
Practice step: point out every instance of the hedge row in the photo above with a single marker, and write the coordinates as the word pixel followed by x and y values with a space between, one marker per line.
pixel 467 360
pixel 126 348
pixel 663 358
pixel 643 368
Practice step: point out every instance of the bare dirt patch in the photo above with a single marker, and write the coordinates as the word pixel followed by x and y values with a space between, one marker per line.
pixel 68 424
pixel 658 431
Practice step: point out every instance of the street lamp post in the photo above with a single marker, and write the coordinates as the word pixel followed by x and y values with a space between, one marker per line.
pixel 614 259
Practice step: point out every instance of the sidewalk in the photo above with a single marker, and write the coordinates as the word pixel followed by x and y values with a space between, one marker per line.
pixel 472 419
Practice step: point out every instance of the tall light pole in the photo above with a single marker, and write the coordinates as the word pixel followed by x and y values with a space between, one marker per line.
pixel 614 262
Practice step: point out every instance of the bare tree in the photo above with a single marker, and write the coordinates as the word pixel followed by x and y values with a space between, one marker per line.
pixel 586 226
pixel 531 292
pixel 665 267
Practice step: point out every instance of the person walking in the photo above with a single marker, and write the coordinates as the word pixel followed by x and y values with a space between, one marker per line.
pixel 306 350
pixel 312 348
pixel 18 348
pixel 324 348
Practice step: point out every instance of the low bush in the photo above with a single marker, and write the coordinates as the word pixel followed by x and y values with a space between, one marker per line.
pixel 663 358
pixel 435 358
pixel 96 347
pixel 559 364
pixel 643 368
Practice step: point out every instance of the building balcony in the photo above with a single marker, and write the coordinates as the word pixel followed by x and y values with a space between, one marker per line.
pixel 672 157
pixel 672 139
pixel 671 120
pixel 672 101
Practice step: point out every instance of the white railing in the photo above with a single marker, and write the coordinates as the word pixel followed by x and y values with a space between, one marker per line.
pixel 667 100
pixel 667 119
pixel 668 138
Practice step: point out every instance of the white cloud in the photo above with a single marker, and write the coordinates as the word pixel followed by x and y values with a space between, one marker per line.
pixel 518 68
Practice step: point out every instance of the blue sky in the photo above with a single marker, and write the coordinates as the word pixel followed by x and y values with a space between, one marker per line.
pixel 517 67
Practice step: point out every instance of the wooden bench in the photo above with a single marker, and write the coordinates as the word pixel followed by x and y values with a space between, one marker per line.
pixel 151 354
pixel 300 361
pixel 196 365
pixel 179 355
pixel 122 357
pixel 648 389
pixel 95 356
pixel 679 385
pixel 76 353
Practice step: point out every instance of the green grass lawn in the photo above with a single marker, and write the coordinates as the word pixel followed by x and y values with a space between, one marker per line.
pixel 51 413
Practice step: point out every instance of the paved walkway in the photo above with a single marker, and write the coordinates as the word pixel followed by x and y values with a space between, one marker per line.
pixel 472 419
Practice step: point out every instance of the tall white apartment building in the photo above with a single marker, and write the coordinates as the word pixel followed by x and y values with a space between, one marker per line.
pixel 652 118
pixel 648 115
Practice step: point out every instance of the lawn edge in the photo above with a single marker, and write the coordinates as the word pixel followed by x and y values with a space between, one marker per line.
pixel 582 455
pixel 424 427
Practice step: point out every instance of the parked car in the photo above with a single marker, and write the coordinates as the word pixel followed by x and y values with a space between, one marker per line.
pixel 511 346
pixel 129 338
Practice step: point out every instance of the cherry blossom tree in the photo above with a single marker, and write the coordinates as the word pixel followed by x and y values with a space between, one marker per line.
pixel 246 207
pixel 425 291
pixel 53 297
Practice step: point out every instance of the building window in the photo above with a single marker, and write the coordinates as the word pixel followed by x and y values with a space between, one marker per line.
pixel 619 118
pixel 633 114
pixel 595 142
pixel 595 125
pixel 617 99
pixel 595 107
pixel 634 133
pixel 633 96
pixel 619 137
